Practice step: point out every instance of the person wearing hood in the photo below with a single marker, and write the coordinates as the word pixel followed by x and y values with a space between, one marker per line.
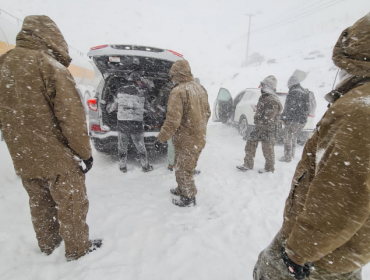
pixel 186 121
pixel 131 103
pixel 294 116
pixel 44 127
pixel 266 119
pixel 326 228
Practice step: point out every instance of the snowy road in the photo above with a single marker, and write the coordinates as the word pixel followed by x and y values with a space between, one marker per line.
pixel 145 236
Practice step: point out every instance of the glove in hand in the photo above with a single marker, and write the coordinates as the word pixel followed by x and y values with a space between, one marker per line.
pixel 298 271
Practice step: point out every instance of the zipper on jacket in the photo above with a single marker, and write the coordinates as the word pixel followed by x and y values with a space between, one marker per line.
pixel 295 187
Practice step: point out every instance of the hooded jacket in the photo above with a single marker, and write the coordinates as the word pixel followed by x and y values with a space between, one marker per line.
pixel 297 106
pixel 327 213
pixel 266 118
pixel 187 111
pixel 43 120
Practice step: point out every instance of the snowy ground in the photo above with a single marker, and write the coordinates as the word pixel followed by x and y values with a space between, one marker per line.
pixel 145 236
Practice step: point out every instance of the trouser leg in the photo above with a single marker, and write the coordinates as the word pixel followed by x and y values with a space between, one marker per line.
pixel 123 140
pixel 185 163
pixel 297 128
pixel 288 136
pixel 69 192
pixel 170 152
pixel 250 153
pixel 269 154
pixel 138 139
pixel 44 214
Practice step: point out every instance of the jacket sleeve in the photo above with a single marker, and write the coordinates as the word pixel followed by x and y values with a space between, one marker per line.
pixel 173 117
pixel 338 201
pixel 284 115
pixel 67 107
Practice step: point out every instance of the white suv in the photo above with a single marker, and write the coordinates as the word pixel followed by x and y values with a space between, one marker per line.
pixel 115 63
pixel 240 111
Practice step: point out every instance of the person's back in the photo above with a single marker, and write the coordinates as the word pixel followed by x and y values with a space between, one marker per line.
pixel 131 103
pixel 44 126
pixel 187 116
pixel 37 123
pixel 296 106
pixel 188 104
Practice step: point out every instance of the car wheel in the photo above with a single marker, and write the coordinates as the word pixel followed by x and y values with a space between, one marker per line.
pixel 243 126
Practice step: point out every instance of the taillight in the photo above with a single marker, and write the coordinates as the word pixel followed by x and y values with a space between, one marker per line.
pixel 97 128
pixel 99 47
pixel 176 53
pixel 92 104
pixel 254 107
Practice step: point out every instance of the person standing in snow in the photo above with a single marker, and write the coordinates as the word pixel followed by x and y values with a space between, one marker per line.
pixel 294 116
pixel 186 121
pixel 130 104
pixel 44 126
pixel 266 120
pixel 327 213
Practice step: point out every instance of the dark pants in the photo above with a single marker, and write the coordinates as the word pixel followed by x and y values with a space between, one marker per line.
pixel 135 131
pixel 291 132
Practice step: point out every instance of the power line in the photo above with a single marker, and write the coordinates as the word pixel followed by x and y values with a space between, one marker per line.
pixel 298 16
pixel 277 19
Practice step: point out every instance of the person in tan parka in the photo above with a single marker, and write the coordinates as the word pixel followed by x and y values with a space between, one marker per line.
pixel 327 213
pixel 186 121
pixel 44 126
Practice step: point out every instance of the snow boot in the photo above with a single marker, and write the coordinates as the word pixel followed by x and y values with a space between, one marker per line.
pixel 243 168
pixel 261 171
pixel 123 169
pixel 174 192
pixel 184 201
pixel 284 159
pixel 95 244
pixel 170 167
pixel 147 168
pixel 196 172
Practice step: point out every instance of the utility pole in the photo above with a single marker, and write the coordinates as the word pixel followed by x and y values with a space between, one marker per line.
pixel 249 33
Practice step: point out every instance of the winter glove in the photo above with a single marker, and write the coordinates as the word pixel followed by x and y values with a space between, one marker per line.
pixel 157 144
pixel 298 271
pixel 88 164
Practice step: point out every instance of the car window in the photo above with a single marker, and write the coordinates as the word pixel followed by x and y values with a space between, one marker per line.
pixel 238 98
pixel 223 95
pixel 247 96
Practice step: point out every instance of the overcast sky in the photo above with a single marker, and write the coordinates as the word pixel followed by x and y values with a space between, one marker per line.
pixel 197 28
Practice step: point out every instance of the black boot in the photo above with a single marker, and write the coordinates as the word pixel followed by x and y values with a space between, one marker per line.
pixel 196 172
pixel 184 201
pixel 95 244
pixel 147 168
pixel 123 169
